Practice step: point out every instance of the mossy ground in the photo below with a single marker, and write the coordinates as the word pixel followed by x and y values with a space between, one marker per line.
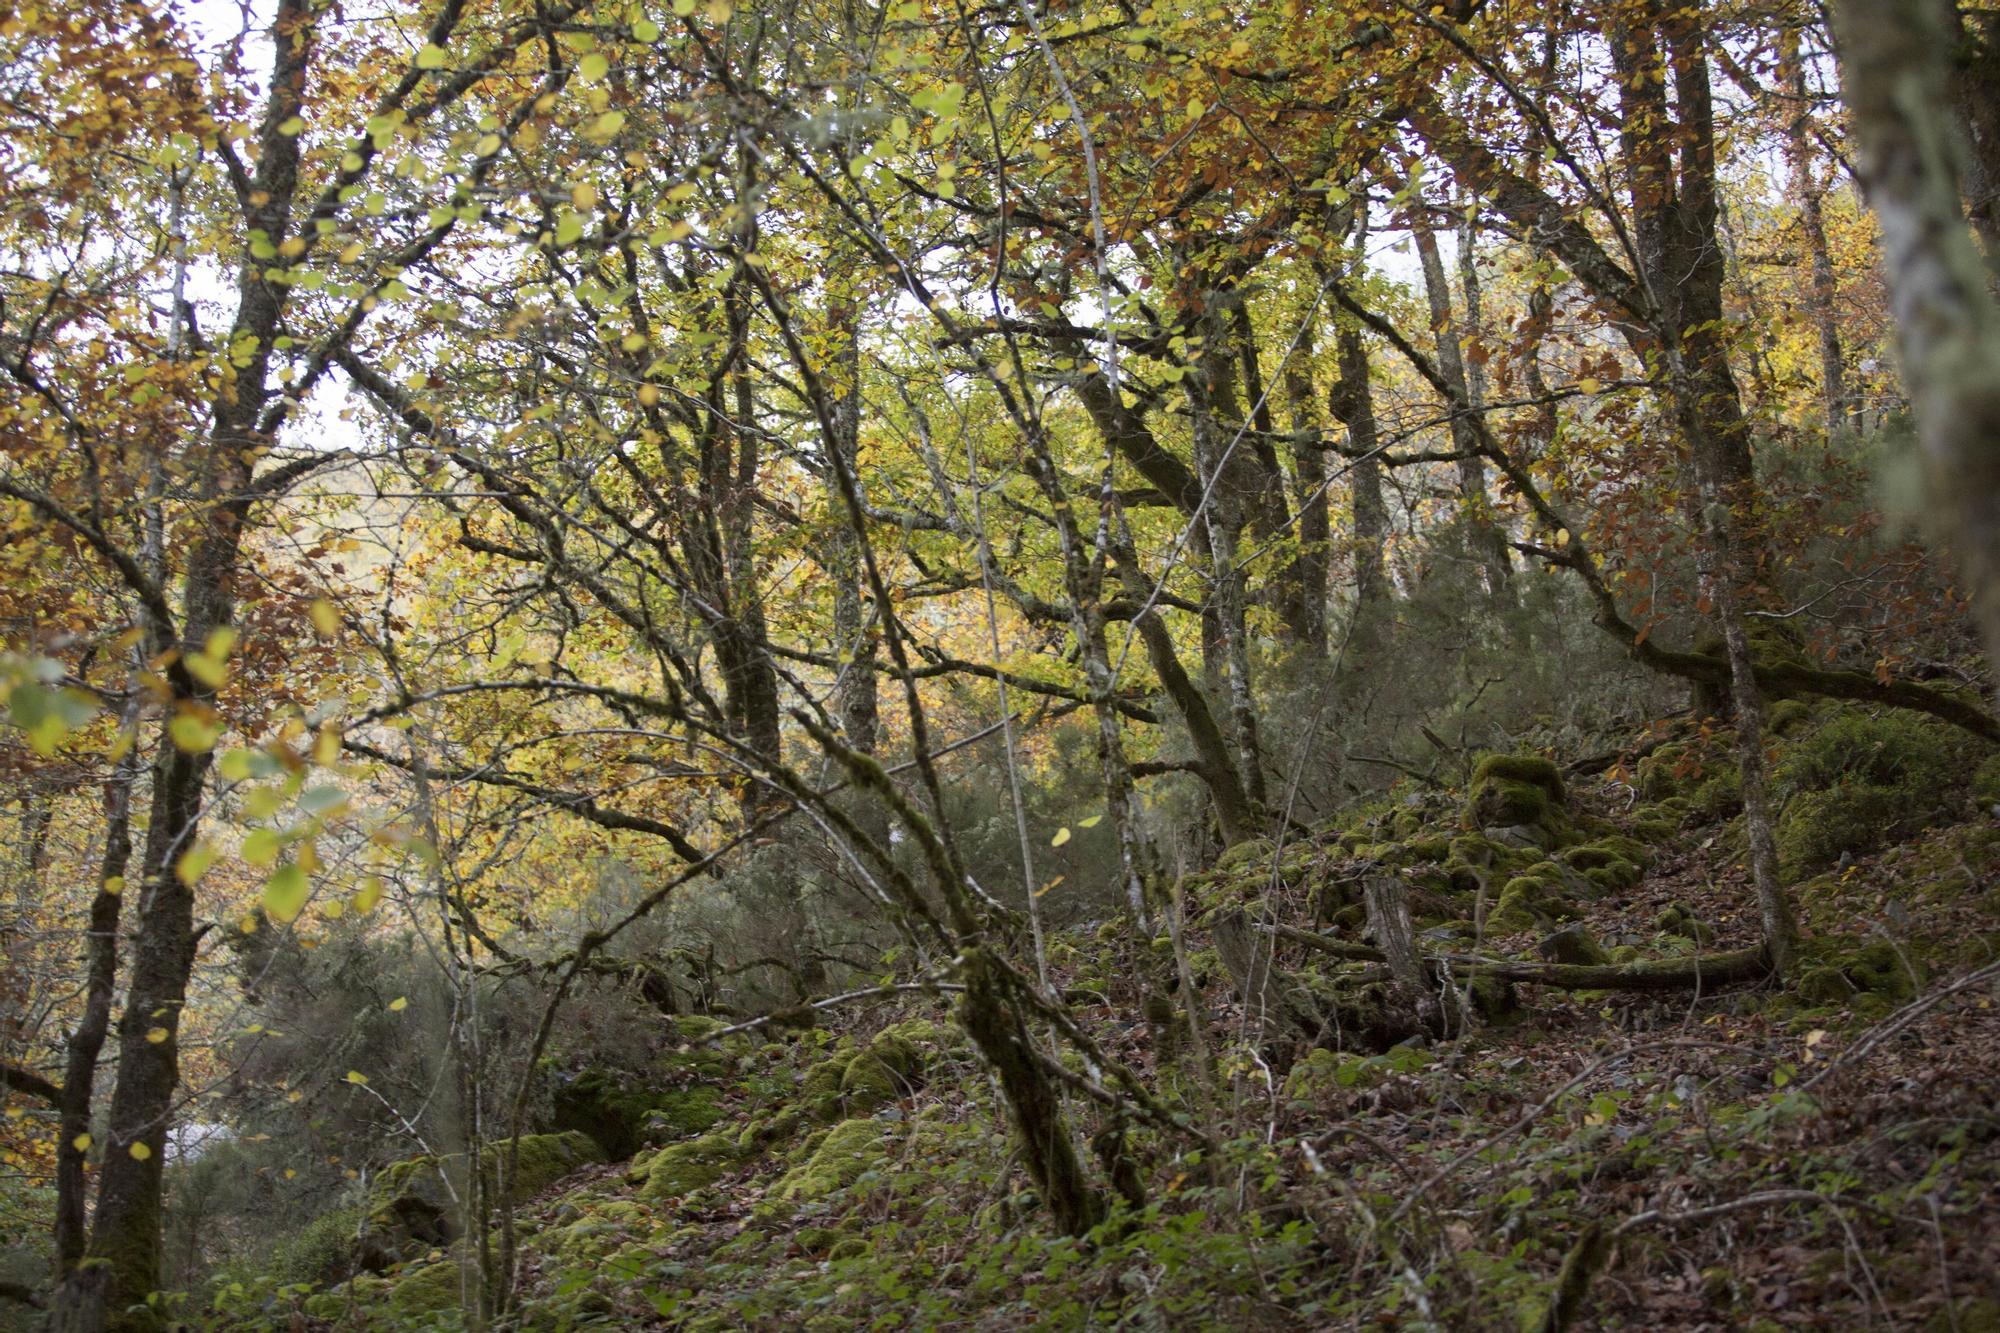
pixel 865 1178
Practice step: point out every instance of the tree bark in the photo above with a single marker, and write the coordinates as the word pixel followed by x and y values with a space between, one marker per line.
pixel 1948 327
pixel 86 1041
pixel 1353 405
pixel 1824 290
pixel 1489 545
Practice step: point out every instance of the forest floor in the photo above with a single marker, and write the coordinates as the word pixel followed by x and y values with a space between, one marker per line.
pixel 1820 1156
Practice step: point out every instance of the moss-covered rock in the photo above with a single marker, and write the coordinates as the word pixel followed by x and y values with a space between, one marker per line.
pixel 431 1289
pixel 1515 791
pixel 682 1168
pixel 618 1111
pixel 1833 974
pixel 412 1207
pixel 842 1155
pixel 1860 782
pixel 1677 920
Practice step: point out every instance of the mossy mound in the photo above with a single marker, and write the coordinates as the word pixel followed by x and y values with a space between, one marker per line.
pixel 1832 975
pixel 1519 798
pixel 1677 920
pixel 412 1206
pixel 842 1155
pixel 1860 782
pixel 682 1168
pixel 622 1115
pixel 1534 901
pixel 429 1290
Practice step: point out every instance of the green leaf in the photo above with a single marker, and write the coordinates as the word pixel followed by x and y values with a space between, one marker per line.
pixel 593 67
pixel 645 30
pixel 605 127
pixel 285 893
pixel 194 733
pixel 194 862
pixel 292 128
pixel 322 800
pixel 569 229
pixel 432 57
pixel 262 846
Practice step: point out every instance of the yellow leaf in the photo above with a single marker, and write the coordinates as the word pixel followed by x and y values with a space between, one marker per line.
pixel 431 57
pixel 324 618
pixel 140 1152
pixel 357 1078
pixel 584 196
pixel 1091 822
pixel 81 1143
pixel 370 894
pixel 193 863
pixel 157 1035
pixel 605 126
pixel 1588 385
pixel 1062 836
pixel 285 893
pixel 399 1004
pixel 194 733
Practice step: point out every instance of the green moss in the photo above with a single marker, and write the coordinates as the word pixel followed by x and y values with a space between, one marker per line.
pixel 1675 919
pixel 1510 791
pixel 1861 782
pixel 680 1115
pixel 432 1289
pixel 843 1154
pixel 682 1168
pixel 1787 716
pixel 1835 974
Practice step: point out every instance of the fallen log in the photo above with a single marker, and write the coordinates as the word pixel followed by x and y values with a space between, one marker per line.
pixel 1651 974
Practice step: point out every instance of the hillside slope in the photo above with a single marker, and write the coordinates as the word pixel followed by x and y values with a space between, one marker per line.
pixel 1565 1143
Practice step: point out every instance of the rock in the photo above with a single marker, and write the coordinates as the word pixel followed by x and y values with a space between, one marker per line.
pixel 1573 945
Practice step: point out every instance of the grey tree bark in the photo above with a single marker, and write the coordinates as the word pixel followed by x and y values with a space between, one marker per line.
pixel 1898 90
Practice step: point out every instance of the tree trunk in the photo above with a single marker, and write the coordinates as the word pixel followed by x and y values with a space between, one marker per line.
pixel 1309 485
pixel 1047 1147
pixel 1485 539
pixel 1812 226
pixel 1223 519
pixel 1976 85
pixel 1387 900
pixel 1947 323
pixel 1353 405
pixel 86 1042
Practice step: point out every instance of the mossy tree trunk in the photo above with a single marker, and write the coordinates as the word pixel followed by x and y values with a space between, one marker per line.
pixel 1002 1038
